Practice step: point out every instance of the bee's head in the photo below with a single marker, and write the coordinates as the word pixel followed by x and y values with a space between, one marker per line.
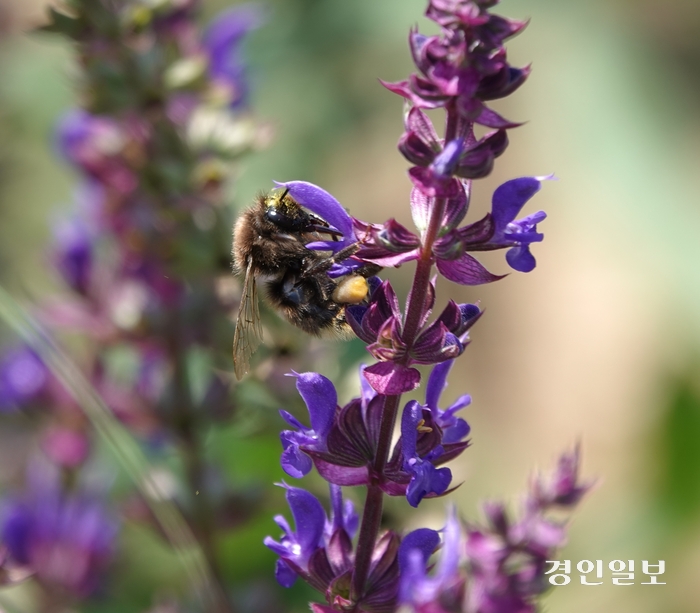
pixel 286 214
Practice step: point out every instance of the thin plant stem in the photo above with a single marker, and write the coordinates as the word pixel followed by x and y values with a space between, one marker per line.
pixel 121 443
pixel 415 312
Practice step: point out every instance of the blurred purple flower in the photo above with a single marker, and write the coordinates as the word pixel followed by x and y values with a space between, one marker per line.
pixel 73 253
pixel 498 568
pixel 66 447
pixel 222 42
pixel 67 539
pixel 426 593
pixel 95 144
pixel 23 376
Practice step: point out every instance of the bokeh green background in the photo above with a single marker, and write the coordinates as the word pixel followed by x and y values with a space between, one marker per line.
pixel 600 344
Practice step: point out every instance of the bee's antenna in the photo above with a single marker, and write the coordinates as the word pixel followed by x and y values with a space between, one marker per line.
pixel 286 191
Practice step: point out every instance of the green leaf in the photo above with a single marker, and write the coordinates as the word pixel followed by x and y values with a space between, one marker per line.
pixel 680 451
pixel 60 23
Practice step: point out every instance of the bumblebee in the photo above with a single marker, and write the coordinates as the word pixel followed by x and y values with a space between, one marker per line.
pixel 269 243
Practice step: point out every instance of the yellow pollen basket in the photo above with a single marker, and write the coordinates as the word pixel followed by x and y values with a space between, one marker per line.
pixel 351 290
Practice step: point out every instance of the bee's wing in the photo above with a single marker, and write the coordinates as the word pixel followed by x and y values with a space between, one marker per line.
pixel 248 334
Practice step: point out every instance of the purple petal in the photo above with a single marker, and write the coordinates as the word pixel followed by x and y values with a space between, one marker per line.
pixel 343 513
pixel 448 564
pixel 295 462
pixel 73 252
pixel 445 163
pixel 455 209
pixel 423 540
pixel 291 420
pixel 437 382
pixel 394 259
pixel 72 130
pixel 321 608
pixel 465 270
pixel 222 41
pixel 309 519
pixel 22 377
pixel 417 121
pixel 229 26
pixel 421 206
pixel 18 527
pixel 366 391
pixel 411 417
pixel 519 258
pixel 284 574
pixel 426 480
pixel 391 379
pixel 509 199
pixel 321 399
pixel 475 234
pixel 319 201
pixel 456 432
pixel 347 267
pixel 463 401
pixel 413 580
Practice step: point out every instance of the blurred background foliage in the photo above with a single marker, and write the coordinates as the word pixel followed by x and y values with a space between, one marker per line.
pixel 599 344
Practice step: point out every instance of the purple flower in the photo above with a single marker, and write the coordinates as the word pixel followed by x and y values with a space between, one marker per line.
pixel 295 547
pixel 454 429
pixel 497 568
pixel 343 515
pixel 445 585
pixel 435 165
pixel 222 42
pixel 497 230
pixel 23 376
pixel 66 539
pixel 563 487
pixel 319 548
pixel 323 204
pixel 379 323
pixel 321 401
pixel 466 64
pixel 66 447
pixel 508 200
pixel 342 442
pixel 73 253
pixel 95 144
pixel 425 477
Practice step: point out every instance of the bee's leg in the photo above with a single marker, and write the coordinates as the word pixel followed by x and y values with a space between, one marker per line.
pixel 323 264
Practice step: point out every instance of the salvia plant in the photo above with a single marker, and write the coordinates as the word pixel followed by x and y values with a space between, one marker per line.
pixel 499 567
pixel 144 254
pixel 163 119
